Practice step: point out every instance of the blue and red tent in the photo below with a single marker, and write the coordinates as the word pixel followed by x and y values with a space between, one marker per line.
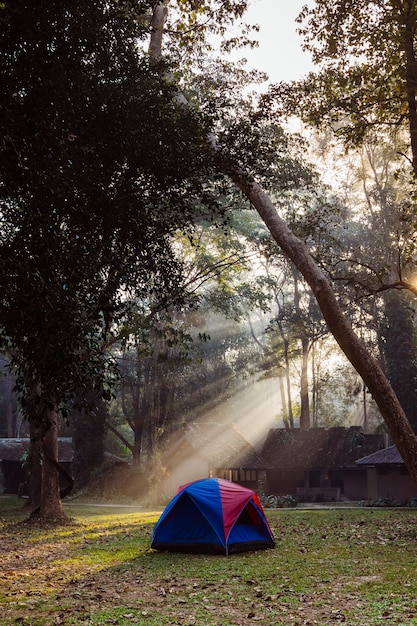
pixel 213 515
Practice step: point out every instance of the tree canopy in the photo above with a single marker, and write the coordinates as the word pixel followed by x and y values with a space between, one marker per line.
pixel 367 69
pixel 97 169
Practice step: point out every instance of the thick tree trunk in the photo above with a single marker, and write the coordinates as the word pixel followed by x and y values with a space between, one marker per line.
pixel 367 367
pixel 159 16
pixel 408 15
pixel 35 467
pixel 50 502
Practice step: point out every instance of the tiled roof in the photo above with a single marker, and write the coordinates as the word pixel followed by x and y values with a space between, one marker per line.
pixel 317 447
pixel 12 449
pixel 223 446
pixel 388 456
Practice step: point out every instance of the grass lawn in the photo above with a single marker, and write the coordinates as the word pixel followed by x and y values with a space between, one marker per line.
pixel 351 566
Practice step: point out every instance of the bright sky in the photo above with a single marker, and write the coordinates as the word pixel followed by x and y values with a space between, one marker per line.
pixel 279 52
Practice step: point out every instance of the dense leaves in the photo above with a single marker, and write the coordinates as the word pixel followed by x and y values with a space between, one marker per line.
pixel 367 69
pixel 97 169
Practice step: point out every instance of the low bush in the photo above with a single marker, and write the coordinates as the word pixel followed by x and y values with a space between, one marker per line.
pixel 389 502
pixel 279 501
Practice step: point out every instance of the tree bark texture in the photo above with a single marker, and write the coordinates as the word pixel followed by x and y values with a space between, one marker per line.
pixel 159 16
pixel 35 467
pixel 50 502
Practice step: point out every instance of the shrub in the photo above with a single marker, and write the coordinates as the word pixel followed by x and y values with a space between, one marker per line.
pixel 278 501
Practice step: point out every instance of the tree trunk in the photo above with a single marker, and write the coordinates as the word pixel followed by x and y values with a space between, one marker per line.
pixel 288 381
pixel 305 403
pixel 368 368
pixel 35 467
pixel 408 15
pixel 9 410
pixel 314 384
pixel 137 445
pixel 304 399
pixel 284 403
pixel 50 502
pixel 159 16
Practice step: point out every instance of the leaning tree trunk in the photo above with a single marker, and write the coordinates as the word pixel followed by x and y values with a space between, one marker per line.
pixel 295 249
pixel 363 362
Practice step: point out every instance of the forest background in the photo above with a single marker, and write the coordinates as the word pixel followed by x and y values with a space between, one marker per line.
pixel 187 298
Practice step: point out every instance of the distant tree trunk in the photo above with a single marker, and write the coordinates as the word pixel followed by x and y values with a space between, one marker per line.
pixel 314 384
pixel 304 399
pixel 140 405
pixel 365 410
pixel 288 379
pixel 9 409
pixel 137 445
pixel 399 349
pixel 305 402
pixel 88 439
pixel 284 403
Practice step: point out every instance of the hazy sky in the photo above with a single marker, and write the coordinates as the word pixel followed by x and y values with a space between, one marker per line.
pixel 279 52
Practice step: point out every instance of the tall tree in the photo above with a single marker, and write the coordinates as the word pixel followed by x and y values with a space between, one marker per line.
pixel 243 172
pixel 97 169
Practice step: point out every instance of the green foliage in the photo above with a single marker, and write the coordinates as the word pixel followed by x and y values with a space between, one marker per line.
pixel 361 46
pixel 363 93
pixel 196 26
pixel 97 169
pixel 400 349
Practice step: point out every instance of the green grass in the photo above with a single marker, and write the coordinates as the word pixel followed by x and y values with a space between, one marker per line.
pixel 351 566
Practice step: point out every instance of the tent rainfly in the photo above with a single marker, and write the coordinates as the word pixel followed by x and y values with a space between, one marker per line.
pixel 213 515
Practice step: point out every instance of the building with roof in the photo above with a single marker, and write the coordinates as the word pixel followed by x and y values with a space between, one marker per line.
pixel 315 464
pixel 12 460
pixel 387 476
pixel 318 463
pixel 205 450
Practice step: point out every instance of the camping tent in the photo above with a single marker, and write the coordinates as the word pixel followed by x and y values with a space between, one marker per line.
pixel 212 515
